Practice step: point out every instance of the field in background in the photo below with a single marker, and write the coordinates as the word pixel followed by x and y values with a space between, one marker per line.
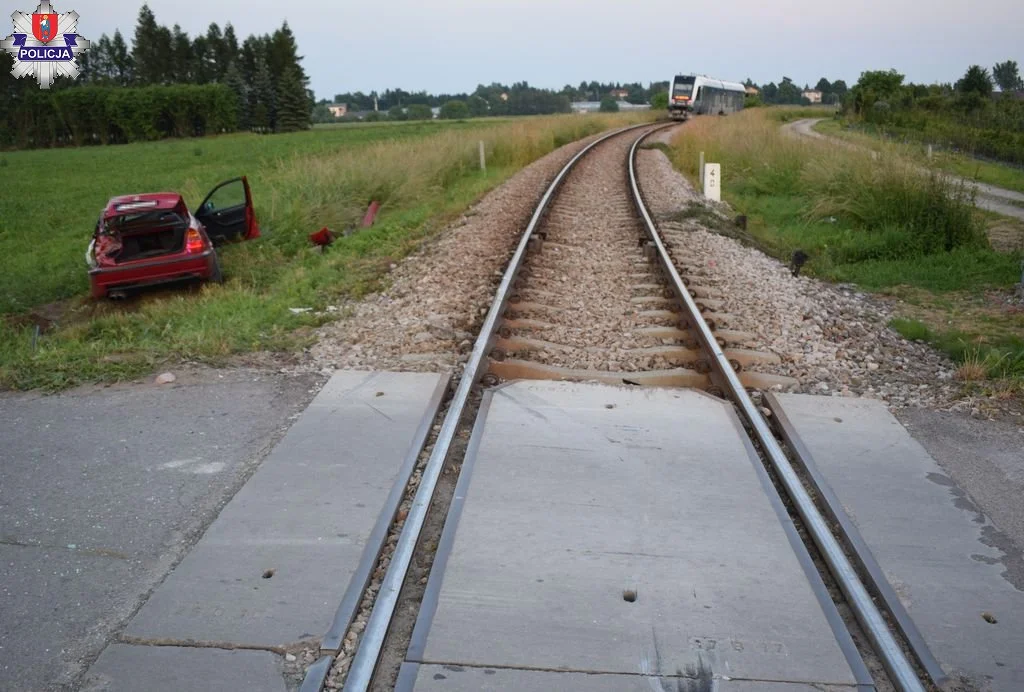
pixel 424 173
pixel 881 224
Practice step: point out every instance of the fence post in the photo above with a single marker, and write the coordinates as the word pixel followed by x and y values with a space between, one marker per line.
pixel 700 170
pixel 483 157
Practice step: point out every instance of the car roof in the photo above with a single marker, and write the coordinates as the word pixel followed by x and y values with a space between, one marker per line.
pixel 153 201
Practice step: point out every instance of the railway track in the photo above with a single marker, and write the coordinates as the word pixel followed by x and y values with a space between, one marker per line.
pixel 596 292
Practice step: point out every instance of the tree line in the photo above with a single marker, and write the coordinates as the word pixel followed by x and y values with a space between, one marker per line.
pixel 163 84
pixel 968 115
pixel 495 99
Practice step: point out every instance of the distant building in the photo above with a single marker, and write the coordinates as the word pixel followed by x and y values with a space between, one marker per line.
pixel 812 95
pixel 619 93
pixel 338 110
pixel 752 90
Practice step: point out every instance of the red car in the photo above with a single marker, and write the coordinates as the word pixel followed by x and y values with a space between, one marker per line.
pixel 144 240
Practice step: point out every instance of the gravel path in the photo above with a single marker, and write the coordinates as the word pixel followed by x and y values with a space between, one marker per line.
pixel 832 339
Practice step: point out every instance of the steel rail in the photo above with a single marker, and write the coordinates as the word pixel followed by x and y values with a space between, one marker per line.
pixel 364 664
pixel 898 666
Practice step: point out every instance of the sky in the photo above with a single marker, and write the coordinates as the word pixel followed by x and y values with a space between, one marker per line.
pixel 450 46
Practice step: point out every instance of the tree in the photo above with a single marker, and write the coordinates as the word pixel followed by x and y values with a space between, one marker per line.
pixel 454 110
pixel 876 87
pixel 975 80
pixel 478 106
pixel 659 101
pixel 788 93
pixel 396 112
pixel 419 111
pixel 1007 76
pixel 609 105
pixel 151 50
pixel 292 103
pixel 263 99
pixel 120 60
pixel 823 86
pixel 234 81
pixel 182 67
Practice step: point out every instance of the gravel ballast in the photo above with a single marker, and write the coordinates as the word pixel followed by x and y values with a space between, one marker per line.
pixel 833 339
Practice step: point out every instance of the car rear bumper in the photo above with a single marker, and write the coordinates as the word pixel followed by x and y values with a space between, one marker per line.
pixel 105 279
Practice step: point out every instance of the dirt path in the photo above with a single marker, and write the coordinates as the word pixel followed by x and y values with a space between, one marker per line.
pixel 989 197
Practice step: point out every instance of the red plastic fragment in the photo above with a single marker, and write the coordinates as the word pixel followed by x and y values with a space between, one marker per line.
pixel 371 214
pixel 322 238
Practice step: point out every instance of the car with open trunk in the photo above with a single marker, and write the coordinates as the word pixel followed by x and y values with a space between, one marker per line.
pixel 150 239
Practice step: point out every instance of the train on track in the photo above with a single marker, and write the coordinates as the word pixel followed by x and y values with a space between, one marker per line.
pixel 700 94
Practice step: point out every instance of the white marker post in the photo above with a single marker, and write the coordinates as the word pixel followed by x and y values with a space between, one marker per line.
pixel 700 170
pixel 929 151
pixel 713 181
pixel 483 159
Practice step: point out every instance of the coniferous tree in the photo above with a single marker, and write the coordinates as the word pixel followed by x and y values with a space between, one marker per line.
pixel 101 67
pixel 229 48
pixel 146 49
pixel 263 98
pixel 120 60
pixel 293 111
pixel 234 81
pixel 182 58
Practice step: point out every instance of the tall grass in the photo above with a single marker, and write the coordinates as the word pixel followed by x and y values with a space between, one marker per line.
pixel 872 218
pixel 853 205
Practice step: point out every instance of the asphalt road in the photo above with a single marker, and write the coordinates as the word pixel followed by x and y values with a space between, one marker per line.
pixel 990 197
pixel 103 490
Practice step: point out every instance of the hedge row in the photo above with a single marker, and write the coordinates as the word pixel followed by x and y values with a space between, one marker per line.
pixel 108 115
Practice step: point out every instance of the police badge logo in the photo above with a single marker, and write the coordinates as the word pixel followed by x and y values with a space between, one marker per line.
pixel 45 45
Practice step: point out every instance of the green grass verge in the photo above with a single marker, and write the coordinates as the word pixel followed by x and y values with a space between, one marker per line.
pixel 425 174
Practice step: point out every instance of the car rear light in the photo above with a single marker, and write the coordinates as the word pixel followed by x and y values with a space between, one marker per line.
pixel 194 242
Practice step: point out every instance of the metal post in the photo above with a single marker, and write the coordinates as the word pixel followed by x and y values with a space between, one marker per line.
pixel 701 170
pixel 483 158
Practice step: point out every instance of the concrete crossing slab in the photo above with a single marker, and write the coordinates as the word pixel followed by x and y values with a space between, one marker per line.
pixel 621 531
pixel 274 566
pixel 959 578
pixel 435 678
pixel 124 668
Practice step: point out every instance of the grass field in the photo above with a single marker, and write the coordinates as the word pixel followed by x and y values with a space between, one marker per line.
pixel 424 173
pixel 998 174
pixel 880 224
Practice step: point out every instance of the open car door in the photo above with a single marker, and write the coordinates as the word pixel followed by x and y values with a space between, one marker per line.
pixel 227 212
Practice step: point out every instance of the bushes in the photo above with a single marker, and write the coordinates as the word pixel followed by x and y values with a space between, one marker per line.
pixel 103 115
pixel 454 110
